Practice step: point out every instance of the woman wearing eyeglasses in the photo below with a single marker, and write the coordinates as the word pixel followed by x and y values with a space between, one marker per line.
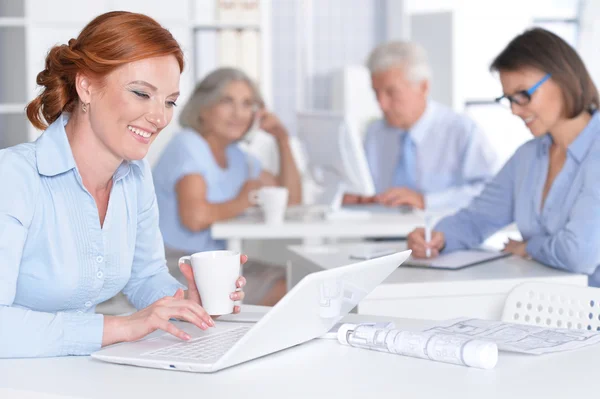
pixel 203 176
pixel 550 185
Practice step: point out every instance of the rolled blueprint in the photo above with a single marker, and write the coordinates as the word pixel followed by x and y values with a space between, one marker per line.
pixel 425 345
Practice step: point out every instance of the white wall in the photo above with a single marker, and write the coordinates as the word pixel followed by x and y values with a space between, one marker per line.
pixel 541 8
pixel 285 60
pixel 345 31
pixel 435 32
pixel 337 33
pixel 312 39
pixel 396 21
pixel 589 40
pixel 462 38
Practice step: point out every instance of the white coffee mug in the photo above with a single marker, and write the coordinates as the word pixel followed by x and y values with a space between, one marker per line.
pixel 215 274
pixel 273 201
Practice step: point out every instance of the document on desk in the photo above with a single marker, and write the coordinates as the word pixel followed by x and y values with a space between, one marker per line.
pixel 521 338
pixel 446 348
pixel 456 260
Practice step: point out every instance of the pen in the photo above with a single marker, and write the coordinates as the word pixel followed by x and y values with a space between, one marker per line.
pixel 427 234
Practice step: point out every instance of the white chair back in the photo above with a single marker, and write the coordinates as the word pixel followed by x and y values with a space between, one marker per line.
pixel 554 305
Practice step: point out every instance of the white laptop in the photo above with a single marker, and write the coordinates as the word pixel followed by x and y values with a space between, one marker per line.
pixel 308 311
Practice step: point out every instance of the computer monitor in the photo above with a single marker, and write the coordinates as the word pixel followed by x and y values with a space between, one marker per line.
pixel 336 156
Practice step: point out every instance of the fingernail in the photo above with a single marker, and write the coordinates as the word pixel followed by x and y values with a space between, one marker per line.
pixel 211 322
pixel 204 326
pixel 187 337
pixel 232 296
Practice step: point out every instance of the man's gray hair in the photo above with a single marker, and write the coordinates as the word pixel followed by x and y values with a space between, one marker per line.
pixel 209 91
pixel 407 55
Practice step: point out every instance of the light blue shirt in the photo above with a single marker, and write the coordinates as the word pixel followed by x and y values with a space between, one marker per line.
pixel 565 232
pixel 188 153
pixel 453 157
pixel 57 263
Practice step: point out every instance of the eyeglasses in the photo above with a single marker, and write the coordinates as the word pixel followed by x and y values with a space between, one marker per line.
pixel 522 97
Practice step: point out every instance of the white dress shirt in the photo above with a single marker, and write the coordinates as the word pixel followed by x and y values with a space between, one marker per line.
pixel 454 159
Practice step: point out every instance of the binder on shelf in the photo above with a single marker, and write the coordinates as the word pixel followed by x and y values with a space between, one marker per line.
pixel 229 48
pixel 249 12
pixel 228 12
pixel 249 54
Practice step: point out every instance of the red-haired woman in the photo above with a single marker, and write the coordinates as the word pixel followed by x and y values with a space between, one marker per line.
pixel 78 219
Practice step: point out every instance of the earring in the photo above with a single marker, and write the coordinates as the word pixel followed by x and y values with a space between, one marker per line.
pixel 84 107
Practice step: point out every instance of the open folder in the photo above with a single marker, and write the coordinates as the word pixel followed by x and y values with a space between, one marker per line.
pixel 456 260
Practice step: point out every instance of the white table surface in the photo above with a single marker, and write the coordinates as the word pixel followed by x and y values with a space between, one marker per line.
pixel 477 291
pixel 497 275
pixel 311 226
pixel 320 368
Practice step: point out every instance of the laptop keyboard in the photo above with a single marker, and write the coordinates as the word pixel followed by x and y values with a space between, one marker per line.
pixel 205 348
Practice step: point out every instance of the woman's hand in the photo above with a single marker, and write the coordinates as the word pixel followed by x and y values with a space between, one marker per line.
pixel 352 199
pixel 271 124
pixel 244 195
pixel 192 292
pixel 156 317
pixel 518 248
pixel 418 245
pixel 398 196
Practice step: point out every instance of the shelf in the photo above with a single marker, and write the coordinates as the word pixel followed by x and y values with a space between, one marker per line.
pixel 218 26
pixel 7 21
pixel 12 108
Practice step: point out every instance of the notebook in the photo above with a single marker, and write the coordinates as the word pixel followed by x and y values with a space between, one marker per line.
pixel 456 260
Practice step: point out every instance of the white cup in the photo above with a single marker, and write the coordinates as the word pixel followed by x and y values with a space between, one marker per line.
pixel 273 201
pixel 215 273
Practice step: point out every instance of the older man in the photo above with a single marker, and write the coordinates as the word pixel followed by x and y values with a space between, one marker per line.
pixel 422 154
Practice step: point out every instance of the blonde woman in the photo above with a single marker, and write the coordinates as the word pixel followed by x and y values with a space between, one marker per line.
pixel 203 176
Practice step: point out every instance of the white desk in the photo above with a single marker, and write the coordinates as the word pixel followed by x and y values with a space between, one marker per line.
pixel 318 369
pixel 251 227
pixel 476 291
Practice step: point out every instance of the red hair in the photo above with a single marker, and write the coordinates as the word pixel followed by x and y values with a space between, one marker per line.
pixel 109 41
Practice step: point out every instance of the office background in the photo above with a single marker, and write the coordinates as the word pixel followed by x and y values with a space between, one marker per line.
pixel 307 54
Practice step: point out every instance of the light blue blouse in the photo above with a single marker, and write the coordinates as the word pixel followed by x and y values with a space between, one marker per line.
pixel 188 153
pixel 453 157
pixel 565 232
pixel 57 263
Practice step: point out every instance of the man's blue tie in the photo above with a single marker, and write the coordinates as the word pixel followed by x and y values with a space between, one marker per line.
pixel 406 169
